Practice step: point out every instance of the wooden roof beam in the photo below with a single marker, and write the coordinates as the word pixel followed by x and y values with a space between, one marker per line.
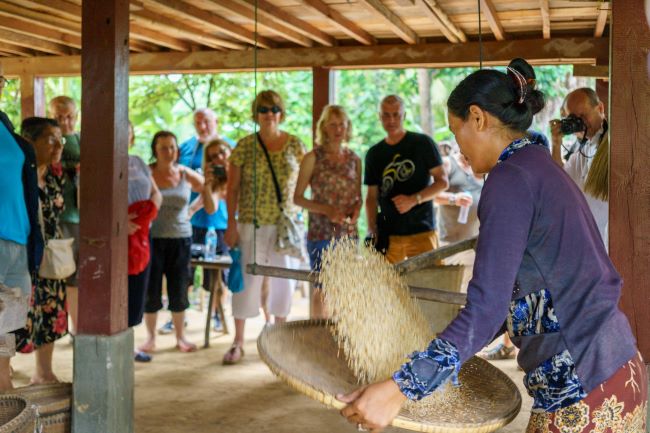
pixel 487 7
pixel 203 19
pixel 30 29
pixel 538 51
pixel 394 22
pixel 345 25
pixel 41 19
pixel 138 32
pixel 247 11
pixel 601 22
pixel 451 31
pixel 179 29
pixel 61 8
pixel 546 18
pixel 16 50
pixel 285 18
pixel 35 43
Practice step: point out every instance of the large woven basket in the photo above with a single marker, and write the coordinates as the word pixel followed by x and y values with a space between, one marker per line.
pixel 305 355
pixel 17 415
pixel 53 402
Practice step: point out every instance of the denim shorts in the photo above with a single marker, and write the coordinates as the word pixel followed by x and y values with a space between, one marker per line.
pixel 14 271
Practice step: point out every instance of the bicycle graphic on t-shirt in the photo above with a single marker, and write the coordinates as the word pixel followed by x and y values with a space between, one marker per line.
pixel 396 171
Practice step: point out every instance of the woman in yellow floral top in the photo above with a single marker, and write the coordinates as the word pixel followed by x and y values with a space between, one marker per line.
pixel 250 205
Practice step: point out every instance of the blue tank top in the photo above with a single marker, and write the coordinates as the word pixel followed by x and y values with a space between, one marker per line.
pixel 15 226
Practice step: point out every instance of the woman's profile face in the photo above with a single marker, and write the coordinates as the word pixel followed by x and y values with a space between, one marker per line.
pixel 166 149
pixel 49 146
pixel 336 129
pixel 468 142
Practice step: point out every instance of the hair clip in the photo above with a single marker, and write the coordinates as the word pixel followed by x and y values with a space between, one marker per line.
pixel 522 83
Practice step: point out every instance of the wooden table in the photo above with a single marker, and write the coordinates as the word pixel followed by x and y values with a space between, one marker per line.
pixel 216 268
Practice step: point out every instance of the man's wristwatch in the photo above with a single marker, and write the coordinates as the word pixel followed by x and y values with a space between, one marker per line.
pixel 418 198
pixel 452 199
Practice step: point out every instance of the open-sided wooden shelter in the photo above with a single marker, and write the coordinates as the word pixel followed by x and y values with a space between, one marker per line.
pixel 105 40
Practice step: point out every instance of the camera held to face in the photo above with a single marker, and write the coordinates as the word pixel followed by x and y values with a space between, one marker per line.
pixel 572 124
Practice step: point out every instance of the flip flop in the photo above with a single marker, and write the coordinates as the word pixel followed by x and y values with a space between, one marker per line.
pixel 188 348
pixel 233 355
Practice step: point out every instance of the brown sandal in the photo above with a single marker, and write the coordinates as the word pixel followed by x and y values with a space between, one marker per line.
pixel 233 355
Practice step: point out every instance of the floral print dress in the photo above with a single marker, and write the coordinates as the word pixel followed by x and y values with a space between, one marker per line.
pixel 47 320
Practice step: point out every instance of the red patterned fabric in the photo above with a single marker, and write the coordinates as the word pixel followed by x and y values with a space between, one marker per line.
pixel 618 405
pixel 139 252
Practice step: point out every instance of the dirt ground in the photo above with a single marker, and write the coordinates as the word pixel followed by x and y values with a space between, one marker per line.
pixel 179 392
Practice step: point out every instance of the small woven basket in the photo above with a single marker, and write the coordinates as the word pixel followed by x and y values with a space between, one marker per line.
pixel 305 356
pixel 53 402
pixel 17 415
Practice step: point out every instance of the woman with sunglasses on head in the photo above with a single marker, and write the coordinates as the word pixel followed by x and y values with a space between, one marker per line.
pixel 47 320
pixel 249 203
pixel 171 234
pixel 541 273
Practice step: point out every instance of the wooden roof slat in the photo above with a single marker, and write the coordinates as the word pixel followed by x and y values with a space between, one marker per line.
pixel 16 50
pixel 279 15
pixel 448 28
pixel 247 11
pixel 30 29
pixel 40 19
pixel 340 21
pixel 546 18
pixel 57 7
pixel 601 21
pixel 207 19
pixel 394 22
pixel 487 7
pixel 144 34
pixel 35 43
pixel 172 26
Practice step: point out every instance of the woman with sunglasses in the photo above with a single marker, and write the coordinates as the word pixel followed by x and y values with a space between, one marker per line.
pixel 259 203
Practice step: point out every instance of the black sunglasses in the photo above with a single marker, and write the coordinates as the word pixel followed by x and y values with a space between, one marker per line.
pixel 263 110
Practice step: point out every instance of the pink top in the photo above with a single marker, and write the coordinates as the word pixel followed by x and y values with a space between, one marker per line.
pixel 334 183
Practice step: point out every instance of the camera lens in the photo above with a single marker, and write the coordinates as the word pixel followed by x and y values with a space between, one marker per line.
pixel 571 124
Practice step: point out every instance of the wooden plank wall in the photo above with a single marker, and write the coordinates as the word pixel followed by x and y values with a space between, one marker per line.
pixel 629 205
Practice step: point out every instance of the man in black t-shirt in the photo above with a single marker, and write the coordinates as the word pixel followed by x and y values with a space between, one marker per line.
pixel 403 172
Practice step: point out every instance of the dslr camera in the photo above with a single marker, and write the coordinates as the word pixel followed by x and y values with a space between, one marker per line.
pixel 219 171
pixel 571 124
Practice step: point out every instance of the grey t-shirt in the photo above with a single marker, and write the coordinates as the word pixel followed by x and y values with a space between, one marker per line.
pixel 139 180
pixel 173 219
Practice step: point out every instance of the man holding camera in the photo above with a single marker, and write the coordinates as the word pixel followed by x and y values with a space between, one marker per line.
pixel 588 165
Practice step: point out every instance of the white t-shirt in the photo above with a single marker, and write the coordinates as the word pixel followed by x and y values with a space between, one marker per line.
pixel 578 167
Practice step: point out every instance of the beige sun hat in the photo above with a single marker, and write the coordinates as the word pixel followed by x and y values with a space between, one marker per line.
pixel 305 355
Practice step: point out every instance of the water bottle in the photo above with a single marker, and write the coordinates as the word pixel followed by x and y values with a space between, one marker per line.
pixel 211 244
pixel 464 212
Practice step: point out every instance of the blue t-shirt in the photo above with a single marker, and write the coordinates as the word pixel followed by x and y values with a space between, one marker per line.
pixel 191 155
pixel 15 226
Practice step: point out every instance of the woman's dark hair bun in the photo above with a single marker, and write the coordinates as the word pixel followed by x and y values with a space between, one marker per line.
pixel 511 97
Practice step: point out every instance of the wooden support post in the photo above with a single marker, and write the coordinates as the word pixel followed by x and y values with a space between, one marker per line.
pixel 629 225
pixel 103 375
pixel 602 89
pixel 323 93
pixel 32 96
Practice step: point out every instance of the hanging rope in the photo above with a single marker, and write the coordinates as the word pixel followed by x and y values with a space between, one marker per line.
pixel 480 38
pixel 255 130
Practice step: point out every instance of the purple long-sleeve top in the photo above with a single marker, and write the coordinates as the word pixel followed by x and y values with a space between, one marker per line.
pixel 537 235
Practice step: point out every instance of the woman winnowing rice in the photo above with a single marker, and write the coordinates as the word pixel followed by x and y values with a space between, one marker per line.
pixel 541 267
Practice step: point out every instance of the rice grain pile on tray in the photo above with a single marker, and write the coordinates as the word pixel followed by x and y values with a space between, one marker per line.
pixel 376 322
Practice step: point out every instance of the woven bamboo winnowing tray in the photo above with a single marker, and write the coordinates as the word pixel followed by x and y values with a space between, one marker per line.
pixel 17 414
pixel 305 355
pixel 53 402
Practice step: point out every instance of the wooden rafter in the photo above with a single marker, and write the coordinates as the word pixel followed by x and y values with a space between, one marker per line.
pixel 14 50
pixel 179 29
pixel 57 7
pixel 394 22
pixel 345 25
pixel 537 51
pixel 487 7
pixel 204 19
pixel 451 31
pixel 280 15
pixel 546 18
pixel 157 38
pixel 142 46
pixel 41 19
pixel 247 11
pixel 35 43
pixel 603 13
pixel 30 29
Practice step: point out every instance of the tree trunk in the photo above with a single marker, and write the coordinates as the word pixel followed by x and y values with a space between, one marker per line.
pixel 424 87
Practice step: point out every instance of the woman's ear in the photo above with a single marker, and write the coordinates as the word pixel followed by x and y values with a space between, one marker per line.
pixel 477 117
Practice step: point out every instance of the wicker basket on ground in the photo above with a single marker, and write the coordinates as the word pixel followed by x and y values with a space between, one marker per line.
pixel 305 355
pixel 17 415
pixel 53 403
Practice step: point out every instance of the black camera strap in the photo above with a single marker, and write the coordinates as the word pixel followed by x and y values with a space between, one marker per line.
pixel 276 184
